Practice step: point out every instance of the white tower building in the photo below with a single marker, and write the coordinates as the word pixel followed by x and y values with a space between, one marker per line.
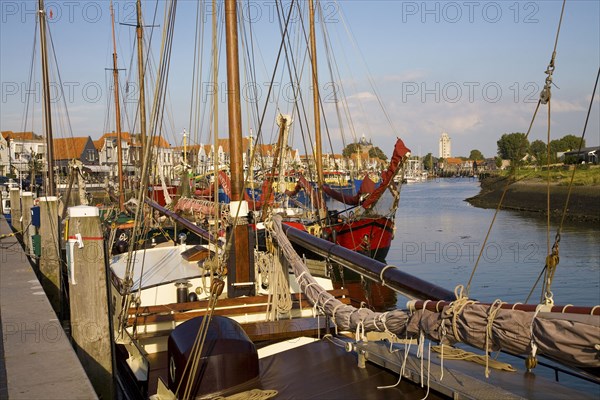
pixel 445 146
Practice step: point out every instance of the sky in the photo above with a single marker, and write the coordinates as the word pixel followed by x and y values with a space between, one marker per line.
pixel 409 69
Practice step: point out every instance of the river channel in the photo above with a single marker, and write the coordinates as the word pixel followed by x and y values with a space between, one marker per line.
pixel 439 237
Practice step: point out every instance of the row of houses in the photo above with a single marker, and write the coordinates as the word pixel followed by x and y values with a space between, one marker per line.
pixel 22 152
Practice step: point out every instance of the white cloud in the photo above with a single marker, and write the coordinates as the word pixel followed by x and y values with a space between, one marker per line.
pixel 566 106
pixel 362 96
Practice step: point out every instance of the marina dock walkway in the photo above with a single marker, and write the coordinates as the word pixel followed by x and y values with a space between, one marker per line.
pixel 36 357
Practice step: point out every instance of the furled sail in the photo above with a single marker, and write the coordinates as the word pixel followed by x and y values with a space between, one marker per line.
pixel 567 337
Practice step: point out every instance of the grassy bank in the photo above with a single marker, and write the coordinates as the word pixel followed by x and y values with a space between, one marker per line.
pixel 527 191
pixel 585 175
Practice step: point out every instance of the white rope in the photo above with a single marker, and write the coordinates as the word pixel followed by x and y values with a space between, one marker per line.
pixel 420 351
pixel 381 274
pixel 428 373
pixel 406 350
pixel 333 316
pixel 442 363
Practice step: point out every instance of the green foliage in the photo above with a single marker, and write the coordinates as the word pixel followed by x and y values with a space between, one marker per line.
pixel 376 152
pixel 352 148
pixel 498 161
pixel 539 150
pixel 476 155
pixel 513 146
pixel 566 143
pixel 571 143
pixel 585 175
pixel 428 162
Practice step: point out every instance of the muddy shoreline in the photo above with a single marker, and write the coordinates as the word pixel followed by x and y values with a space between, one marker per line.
pixel 531 196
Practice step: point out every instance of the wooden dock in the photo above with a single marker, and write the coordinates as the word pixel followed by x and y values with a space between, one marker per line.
pixel 36 356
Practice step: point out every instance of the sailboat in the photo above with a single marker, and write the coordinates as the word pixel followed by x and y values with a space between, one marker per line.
pixel 146 283
pixel 173 342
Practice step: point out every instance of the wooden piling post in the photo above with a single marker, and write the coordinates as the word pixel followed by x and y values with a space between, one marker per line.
pixel 88 297
pixel 15 208
pixel 26 204
pixel 49 259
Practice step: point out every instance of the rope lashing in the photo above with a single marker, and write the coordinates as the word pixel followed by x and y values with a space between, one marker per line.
pixel 453 353
pixel 456 307
pixel 531 361
pixel 494 309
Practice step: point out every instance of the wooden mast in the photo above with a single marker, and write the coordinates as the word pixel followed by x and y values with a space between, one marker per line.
pixel 117 113
pixel 50 190
pixel 141 69
pixel 241 269
pixel 317 113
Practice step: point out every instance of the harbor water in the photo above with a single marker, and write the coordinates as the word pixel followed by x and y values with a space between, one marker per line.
pixel 439 237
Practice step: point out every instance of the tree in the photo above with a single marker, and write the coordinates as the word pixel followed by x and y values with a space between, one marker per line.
pixel 352 148
pixel 440 162
pixel 428 162
pixel 376 152
pixel 512 146
pixel 476 155
pixel 538 150
pixel 498 161
pixel 571 143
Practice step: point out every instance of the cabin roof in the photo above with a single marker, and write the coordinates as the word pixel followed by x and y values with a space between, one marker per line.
pixel 584 150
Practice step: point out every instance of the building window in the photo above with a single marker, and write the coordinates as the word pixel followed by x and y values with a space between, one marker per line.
pixel 90 155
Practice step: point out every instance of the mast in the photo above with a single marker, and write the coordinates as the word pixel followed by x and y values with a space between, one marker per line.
pixel 317 113
pixel 117 113
pixel 50 190
pixel 141 69
pixel 240 256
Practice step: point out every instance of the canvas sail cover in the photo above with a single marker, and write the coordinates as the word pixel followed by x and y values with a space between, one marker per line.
pixel 569 338
pixel 564 337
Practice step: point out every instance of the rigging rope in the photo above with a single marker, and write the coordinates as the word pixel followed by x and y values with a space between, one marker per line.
pixel 544 98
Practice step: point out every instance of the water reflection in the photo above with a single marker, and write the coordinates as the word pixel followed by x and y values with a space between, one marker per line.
pixel 439 238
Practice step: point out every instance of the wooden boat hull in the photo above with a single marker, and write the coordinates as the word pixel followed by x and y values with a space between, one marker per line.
pixel 369 236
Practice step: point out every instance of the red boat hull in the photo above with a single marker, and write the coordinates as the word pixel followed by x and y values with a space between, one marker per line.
pixel 370 236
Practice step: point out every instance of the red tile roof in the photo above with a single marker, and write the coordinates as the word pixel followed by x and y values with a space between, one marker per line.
pixel 160 141
pixel 9 135
pixel 453 160
pixel 69 148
